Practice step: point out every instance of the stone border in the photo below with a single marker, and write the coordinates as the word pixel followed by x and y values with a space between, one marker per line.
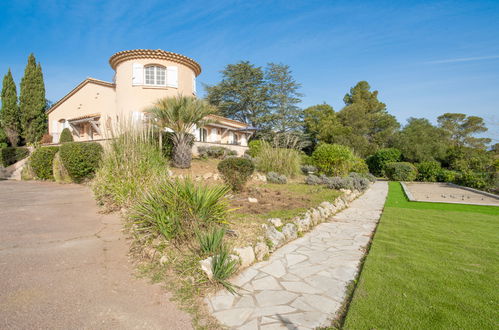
pixel 412 199
pixel 278 234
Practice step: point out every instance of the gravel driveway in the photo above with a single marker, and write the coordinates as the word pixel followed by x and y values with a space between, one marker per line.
pixel 65 266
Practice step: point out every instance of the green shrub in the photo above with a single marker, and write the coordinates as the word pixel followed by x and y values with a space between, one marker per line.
pixel 359 166
pixel 41 162
pixel 66 136
pixel 81 160
pixel 211 241
pixel 215 152
pixel 224 266
pixel 279 160
pixel 130 163
pixel 255 146
pixel 445 175
pixel 306 160
pixel 273 177
pixel 11 155
pixel 401 171
pixel 333 159
pixel 236 171
pixel 377 161
pixel 471 179
pixel 428 171
pixel 176 209
pixel 60 173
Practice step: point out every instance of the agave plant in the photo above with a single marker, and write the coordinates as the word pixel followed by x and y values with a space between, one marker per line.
pixel 181 114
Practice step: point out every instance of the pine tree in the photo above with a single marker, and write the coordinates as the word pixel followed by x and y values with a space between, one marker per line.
pixel 32 102
pixel 10 116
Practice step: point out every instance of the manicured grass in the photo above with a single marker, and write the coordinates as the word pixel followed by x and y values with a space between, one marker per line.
pixel 430 266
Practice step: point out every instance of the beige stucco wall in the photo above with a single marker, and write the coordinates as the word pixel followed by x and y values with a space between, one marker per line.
pixel 131 98
pixel 90 99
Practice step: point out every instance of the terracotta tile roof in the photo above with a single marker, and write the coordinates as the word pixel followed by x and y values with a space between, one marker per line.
pixel 85 117
pixel 154 53
pixel 217 117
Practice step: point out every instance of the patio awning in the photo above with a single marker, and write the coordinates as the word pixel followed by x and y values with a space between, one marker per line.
pixel 92 119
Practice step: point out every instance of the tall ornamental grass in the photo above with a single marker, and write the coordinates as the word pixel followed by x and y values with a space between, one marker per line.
pixel 177 209
pixel 130 163
pixel 278 160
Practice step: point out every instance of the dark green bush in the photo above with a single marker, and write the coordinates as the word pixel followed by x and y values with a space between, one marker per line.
pixel 377 161
pixel 66 136
pixel 11 155
pixel 236 171
pixel 80 159
pixel 401 171
pixel 445 175
pixel 41 162
pixel 333 159
pixel 428 171
pixel 471 179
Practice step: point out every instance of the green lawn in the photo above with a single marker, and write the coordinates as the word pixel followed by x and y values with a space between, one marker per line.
pixel 431 266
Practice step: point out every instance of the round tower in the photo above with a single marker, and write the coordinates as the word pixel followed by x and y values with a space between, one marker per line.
pixel 144 75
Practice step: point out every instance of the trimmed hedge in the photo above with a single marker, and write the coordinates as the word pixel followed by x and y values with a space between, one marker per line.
pixel 60 173
pixel 428 171
pixel 401 171
pixel 66 136
pixel 236 171
pixel 376 162
pixel 81 160
pixel 41 162
pixel 255 146
pixel 12 155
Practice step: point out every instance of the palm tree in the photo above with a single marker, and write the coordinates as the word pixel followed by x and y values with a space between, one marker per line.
pixel 181 114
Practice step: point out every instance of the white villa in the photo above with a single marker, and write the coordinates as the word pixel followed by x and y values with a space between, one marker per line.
pixel 142 76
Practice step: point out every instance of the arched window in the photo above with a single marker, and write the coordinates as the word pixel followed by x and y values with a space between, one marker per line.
pixel 155 75
pixel 203 135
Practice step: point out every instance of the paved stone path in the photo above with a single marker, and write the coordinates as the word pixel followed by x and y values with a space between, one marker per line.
pixel 303 284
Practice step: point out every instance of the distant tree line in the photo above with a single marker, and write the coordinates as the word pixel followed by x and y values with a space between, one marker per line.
pixel 23 119
pixel 268 98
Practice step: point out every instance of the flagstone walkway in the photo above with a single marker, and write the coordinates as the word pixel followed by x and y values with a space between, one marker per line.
pixel 304 283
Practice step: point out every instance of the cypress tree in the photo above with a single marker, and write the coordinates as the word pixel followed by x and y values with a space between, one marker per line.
pixel 32 102
pixel 10 116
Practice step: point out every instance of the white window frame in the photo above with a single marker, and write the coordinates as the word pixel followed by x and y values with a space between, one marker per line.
pixel 156 71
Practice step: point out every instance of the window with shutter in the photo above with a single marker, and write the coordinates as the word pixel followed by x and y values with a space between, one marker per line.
pixel 172 76
pixel 155 75
pixel 137 74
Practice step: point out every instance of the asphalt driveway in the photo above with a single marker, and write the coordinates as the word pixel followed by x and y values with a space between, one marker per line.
pixel 65 266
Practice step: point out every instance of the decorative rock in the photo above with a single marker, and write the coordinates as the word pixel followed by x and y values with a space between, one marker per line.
pixel 206 176
pixel 261 250
pixel 206 267
pixel 163 260
pixel 275 221
pixel 216 176
pixel 252 200
pixel 246 255
pixel 290 232
pixel 275 236
pixel 303 224
pixel 170 173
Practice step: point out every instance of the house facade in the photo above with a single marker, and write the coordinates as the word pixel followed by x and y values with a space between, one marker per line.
pixel 141 77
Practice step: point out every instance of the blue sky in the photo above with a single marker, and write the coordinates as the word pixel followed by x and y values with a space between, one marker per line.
pixel 424 57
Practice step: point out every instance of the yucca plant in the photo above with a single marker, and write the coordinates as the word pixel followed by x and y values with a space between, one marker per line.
pixel 210 241
pixel 224 266
pixel 181 114
pixel 177 208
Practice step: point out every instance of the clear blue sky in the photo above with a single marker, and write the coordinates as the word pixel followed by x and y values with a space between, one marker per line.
pixel 424 57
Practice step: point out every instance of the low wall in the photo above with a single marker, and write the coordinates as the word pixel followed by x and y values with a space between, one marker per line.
pixel 237 148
